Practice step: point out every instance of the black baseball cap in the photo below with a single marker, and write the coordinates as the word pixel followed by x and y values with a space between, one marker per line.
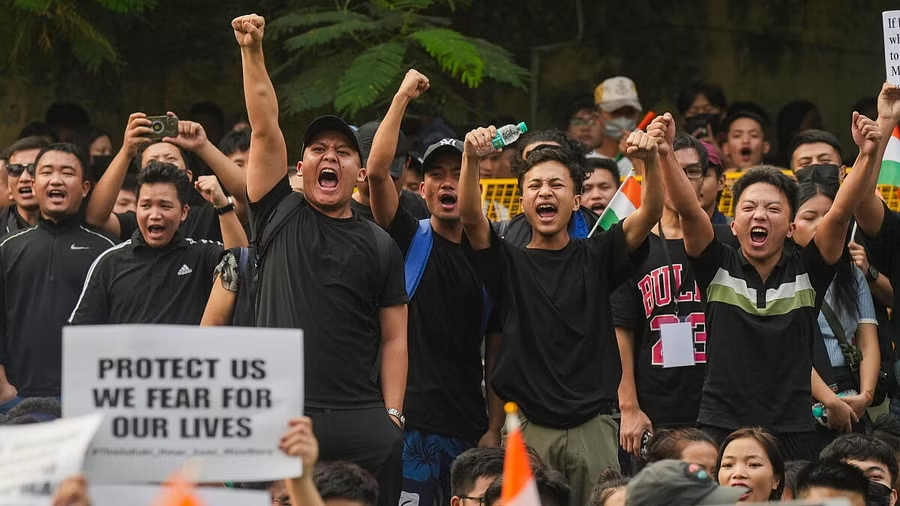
pixel 440 147
pixel 676 482
pixel 367 135
pixel 332 123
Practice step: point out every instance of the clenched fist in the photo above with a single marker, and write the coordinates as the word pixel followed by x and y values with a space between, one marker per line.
pixel 414 84
pixel 248 30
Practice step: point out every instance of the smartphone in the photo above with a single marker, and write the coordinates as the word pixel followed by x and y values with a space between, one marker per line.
pixel 163 126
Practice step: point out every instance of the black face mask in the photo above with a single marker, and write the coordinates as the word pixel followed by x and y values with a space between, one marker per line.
pixel 704 122
pixel 879 495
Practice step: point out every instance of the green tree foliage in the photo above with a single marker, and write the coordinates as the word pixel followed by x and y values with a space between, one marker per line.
pixel 44 29
pixel 352 57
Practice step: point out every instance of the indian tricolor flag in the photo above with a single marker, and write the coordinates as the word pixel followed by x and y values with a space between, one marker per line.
pixel 519 487
pixel 890 165
pixel 179 490
pixel 623 203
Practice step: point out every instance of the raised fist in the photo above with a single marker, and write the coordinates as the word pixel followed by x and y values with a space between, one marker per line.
pixel 865 134
pixel 642 146
pixel 248 30
pixel 478 141
pixel 662 130
pixel 414 84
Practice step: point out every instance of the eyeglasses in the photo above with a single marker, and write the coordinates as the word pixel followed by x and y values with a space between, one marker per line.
pixel 694 172
pixel 479 499
pixel 16 169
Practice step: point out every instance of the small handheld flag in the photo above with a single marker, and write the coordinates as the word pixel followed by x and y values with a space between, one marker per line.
pixel 519 486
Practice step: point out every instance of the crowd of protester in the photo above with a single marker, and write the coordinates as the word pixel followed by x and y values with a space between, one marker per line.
pixel 421 316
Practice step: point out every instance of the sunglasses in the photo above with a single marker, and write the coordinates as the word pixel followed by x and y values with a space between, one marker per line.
pixel 16 169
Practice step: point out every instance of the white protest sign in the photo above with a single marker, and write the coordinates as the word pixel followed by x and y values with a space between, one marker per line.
pixel 221 396
pixel 891 24
pixel 35 458
pixel 148 495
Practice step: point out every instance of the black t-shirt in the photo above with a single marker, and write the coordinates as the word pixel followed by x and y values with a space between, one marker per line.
pixel 412 203
pixel 135 283
pixel 884 250
pixel 324 275
pixel 558 358
pixel 669 396
pixel 760 337
pixel 443 393
pixel 202 221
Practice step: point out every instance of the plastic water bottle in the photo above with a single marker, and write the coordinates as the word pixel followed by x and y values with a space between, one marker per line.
pixel 819 412
pixel 506 135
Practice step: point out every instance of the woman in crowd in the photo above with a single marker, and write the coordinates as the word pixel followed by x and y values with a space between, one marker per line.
pixel 689 445
pixel 847 309
pixel 750 458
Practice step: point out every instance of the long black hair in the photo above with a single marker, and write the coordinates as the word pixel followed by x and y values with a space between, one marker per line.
pixel 823 180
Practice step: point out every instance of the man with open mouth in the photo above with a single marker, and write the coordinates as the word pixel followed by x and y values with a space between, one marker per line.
pixel 24 210
pixel 158 275
pixel 762 300
pixel 43 268
pixel 745 143
pixel 326 270
pixel 558 358
pixel 445 408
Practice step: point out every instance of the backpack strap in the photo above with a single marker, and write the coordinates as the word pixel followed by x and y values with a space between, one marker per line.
pixel 417 256
pixel 579 228
pixel 289 206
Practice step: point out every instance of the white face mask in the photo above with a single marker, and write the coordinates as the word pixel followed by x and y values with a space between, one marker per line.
pixel 617 127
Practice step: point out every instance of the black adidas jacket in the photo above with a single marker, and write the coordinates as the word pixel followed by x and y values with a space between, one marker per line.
pixel 43 269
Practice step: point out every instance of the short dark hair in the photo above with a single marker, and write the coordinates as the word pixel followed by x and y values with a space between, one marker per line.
pixel 608 481
pixel 832 474
pixel 235 140
pixel 686 141
pixel 579 103
pixel 770 175
pixel 345 480
pixel 608 164
pixel 554 154
pixel 41 407
pixel 72 149
pixel 861 447
pixel 769 445
pixel 552 488
pixel 25 144
pixel 740 114
pixel 472 464
pixel 814 136
pixel 162 172
pixel 575 148
pixel 791 469
pixel 752 107
pixel 688 94
pixel 887 428
pixel 667 444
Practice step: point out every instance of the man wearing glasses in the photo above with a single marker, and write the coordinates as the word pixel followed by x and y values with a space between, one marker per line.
pixel 652 393
pixel 472 473
pixel 24 211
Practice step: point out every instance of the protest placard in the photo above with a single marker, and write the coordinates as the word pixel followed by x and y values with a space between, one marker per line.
pixel 222 396
pixel 891 24
pixel 148 495
pixel 35 458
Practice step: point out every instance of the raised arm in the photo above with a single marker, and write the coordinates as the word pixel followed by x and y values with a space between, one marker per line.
pixel 474 222
pixel 99 211
pixel 192 137
pixel 383 196
pixel 233 235
pixel 832 229
pixel 636 226
pixel 267 162
pixel 697 229
pixel 300 441
pixel 870 213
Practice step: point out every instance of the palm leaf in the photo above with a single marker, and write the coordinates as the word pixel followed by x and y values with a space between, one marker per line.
pixel 325 34
pixel 499 64
pixel 88 45
pixel 368 76
pixel 126 6
pixel 294 20
pixel 314 88
pixel 456 55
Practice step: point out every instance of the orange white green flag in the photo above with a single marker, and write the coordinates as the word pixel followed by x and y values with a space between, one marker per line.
pixel 890 164
pixel 626 200
pixel 519 486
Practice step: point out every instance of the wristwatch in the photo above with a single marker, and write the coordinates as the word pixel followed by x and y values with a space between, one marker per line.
pixel 398 415
pixel 871 273
pixel 227 208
